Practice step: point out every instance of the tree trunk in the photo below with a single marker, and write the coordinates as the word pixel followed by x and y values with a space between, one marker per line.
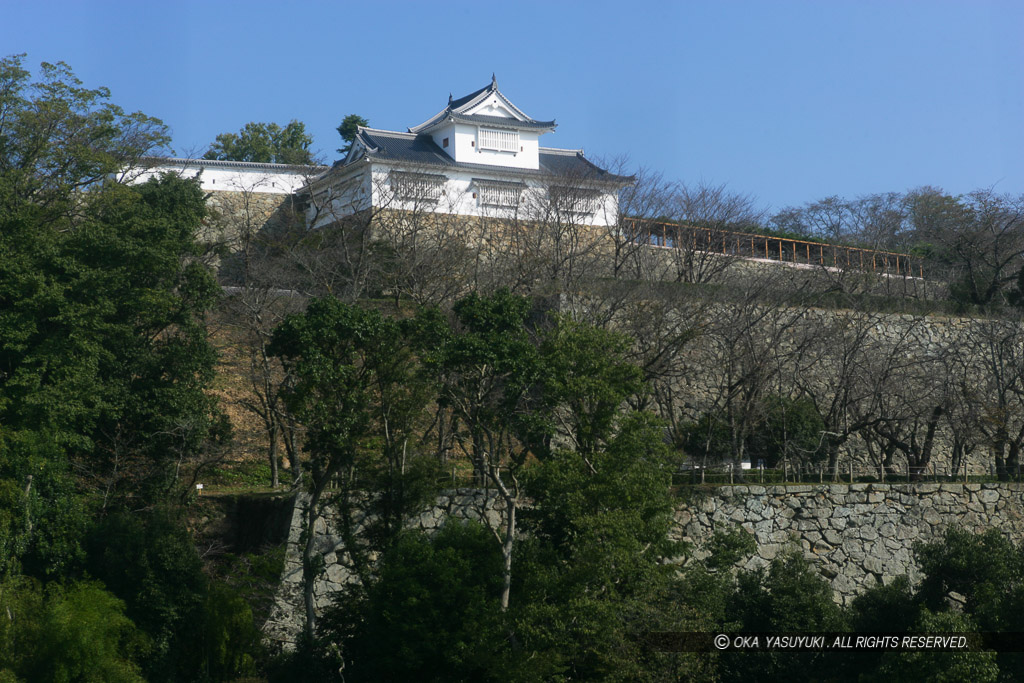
pixel 309 565
pixel 925 455
pixel 292 453
pixel 997 452
pixel 833 461
pixel 272 454
pixel 506 551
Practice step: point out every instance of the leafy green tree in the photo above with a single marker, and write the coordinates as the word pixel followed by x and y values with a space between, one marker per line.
pixel 162 585
pixel 985 568
pixel 266 143
pixel 885 608
pixel 488 372
pixel 589 581
pixel 104 367
pixel 987 572
pixel 197 629
pixel 784 428
pixel 940 667
pixel 790 429
pixel 42 515
pixel 348 129
pixel 73 632
pixel 58 138
pixel 430 613
pixel 359 393
pixel 708 584
pixel 231 643
pixel 587 380
pixel 970 583
pixel 592 577
pixel 787 597
pixel 105 350
pixel 103 354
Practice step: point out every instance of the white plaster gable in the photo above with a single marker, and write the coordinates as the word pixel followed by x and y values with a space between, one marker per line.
pixel 356 150
pixel 495 105
pixel 487 105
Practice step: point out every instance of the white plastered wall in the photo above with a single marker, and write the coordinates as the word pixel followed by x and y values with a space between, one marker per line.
pixel 458 197
pixel 216 177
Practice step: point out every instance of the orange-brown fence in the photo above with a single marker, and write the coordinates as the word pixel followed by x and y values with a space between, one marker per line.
pixel 783 249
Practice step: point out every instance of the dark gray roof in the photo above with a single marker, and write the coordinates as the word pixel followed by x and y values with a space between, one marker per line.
pixel 502 122
pixel 500 183
pixel 455 111
pixel 151 161
pixel 421 150
pixel 455 104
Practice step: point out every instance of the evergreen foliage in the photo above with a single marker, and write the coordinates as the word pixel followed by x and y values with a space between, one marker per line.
pixel 266 143
pixel 348 129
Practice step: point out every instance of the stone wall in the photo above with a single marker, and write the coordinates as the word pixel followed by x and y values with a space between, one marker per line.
pixel 893 365
pixel 855 535
pixel 287 616
pixel 233 214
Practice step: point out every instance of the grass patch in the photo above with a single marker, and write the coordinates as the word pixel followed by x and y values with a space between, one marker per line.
pixel 248 474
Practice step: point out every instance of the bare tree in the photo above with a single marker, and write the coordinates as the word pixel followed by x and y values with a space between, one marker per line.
pixel 554 244
pixel 648 200
pixel 666 324
pixel 959 383
pixel 426 252
pixel 704 245
pixel 848 368
pixel 331 250
pixel 996 350
pixel 910 407
pixel 981 239
pixel 259 298
pixel 749 341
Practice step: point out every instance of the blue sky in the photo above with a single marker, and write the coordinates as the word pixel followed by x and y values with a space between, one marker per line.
pixel 789 101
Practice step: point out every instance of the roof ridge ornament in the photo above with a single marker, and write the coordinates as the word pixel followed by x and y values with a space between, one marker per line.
pixel 449 99
pixel 494 81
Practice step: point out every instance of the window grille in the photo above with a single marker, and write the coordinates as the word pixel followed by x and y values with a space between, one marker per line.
pixel 504 195
pixel 576 200
pixel 499 140
pixel 421 187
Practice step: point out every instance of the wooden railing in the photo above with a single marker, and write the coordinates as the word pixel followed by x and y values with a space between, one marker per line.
pixel 767 247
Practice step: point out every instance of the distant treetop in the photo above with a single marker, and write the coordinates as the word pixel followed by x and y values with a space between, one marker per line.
pixel 266 143
pixel 348 129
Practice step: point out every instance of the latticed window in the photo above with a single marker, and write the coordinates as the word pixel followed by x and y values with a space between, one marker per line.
pixel 493 193
pixel 499 140
pixel 576 200
pixel 421 187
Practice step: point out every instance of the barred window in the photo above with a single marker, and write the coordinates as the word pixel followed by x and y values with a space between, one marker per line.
pixel 423 187
pixel 575 199
pixel 499 140
pixel 501 194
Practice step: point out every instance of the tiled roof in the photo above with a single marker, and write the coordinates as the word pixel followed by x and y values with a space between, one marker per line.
pixel 421 150
pixel 455 104
pixel 418 149
pixel 217 163
pixel 456 110
pixel 500 183
pixel 503 122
